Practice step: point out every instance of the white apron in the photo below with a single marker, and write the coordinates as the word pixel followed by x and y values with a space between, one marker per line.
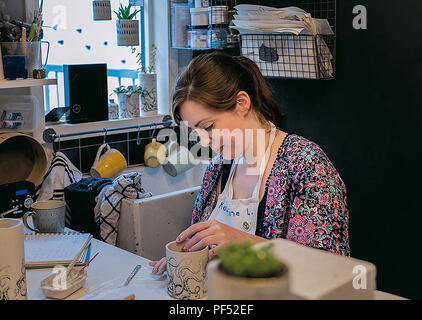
pixel 241 213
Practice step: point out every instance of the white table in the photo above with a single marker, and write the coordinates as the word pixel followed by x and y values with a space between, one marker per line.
pixel 110 269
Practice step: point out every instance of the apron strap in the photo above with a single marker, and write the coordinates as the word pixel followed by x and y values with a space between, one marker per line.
pixel 228 190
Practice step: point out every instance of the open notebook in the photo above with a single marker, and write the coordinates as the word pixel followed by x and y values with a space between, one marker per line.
pixel 45 250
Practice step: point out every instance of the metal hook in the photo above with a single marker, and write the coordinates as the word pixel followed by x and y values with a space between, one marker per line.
pixel 59 143
pixel 155 128
pixel 138 137
pixel 105 135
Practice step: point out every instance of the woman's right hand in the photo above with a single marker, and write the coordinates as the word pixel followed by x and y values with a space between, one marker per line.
pixel 159 266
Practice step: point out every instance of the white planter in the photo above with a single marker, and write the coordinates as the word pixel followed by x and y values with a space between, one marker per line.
pixel 127 32
pixel 128 105
pixel 101 10
pixel 148 82
pixel 12 260
pixel 113 110
pixel 222 286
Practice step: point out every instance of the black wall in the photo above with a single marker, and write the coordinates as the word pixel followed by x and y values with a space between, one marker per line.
pixel 368 122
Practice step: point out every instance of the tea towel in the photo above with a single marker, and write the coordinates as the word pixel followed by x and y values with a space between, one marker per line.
pixel 107 210
pixel 61 173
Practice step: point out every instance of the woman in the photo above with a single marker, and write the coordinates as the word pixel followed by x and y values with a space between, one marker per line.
pixel 297 194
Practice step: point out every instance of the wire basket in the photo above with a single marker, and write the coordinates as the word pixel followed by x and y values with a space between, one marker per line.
pixel 285 55
pixel 290 56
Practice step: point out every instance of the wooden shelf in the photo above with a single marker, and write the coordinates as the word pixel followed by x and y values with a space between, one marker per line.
pixel 9 84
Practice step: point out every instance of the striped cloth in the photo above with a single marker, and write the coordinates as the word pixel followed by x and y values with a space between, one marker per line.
pixel 107 210
pixel 61 173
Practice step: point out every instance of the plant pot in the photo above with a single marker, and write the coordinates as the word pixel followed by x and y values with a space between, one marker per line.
pixel 101 10
pixel 148 82
pixel 136 3
pixel 128 105
pixel 222 286
pixel 127 32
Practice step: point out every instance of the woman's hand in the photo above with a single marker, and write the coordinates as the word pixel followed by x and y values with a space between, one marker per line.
pixel 159 266
pixel 213 232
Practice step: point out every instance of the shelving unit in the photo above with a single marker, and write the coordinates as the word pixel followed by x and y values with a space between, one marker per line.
pixel 10 84
pixel 218 31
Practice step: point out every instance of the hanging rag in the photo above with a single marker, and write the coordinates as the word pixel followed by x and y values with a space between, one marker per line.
pixel 107 210
pixel 80 199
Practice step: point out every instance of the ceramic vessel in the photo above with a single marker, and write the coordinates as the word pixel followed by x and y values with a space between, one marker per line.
pixel 108 162
pixel 101 10
pixel 222 286
pixel 128 105
pixel 148 82
pixel 113 110
pixel 186 272
pixel 179 161
pixel 12 260
pixel 57 286
pixel 127 32
pixel 155 154
pixel 47 216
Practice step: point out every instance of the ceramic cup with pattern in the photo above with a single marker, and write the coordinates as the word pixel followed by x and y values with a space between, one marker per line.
pixel 186 272
pixel 12 260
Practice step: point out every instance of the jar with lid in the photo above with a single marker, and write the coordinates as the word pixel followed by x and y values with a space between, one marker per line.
pixel 217 37
pixel 197 37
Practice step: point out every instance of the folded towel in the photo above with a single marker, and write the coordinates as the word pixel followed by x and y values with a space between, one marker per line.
pixel 107 210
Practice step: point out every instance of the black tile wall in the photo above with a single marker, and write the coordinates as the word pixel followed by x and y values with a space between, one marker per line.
pixel 73 156
pixel 82 152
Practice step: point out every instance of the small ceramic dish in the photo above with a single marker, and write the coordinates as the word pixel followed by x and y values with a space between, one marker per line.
pixel 54 287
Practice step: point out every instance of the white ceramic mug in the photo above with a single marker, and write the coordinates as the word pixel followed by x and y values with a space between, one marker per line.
pixel 12 260
pixel 186 272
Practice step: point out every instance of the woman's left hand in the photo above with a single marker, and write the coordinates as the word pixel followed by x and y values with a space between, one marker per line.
pixel 213 232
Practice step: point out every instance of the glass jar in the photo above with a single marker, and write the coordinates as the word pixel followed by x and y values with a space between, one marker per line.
pixel 217 37
pixel 197 37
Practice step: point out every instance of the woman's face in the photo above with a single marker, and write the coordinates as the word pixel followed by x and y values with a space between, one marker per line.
pixel 221 130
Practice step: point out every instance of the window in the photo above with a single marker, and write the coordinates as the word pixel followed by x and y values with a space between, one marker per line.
pixel 75 38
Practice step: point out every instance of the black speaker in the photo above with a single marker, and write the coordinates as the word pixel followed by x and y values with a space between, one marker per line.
pixel 85 87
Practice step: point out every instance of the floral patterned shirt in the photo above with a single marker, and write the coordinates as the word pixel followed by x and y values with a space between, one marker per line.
pixel 305 198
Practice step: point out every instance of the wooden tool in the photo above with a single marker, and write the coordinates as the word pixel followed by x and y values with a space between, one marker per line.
pixel 72 264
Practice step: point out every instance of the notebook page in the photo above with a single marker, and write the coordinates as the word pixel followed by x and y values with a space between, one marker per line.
pixel 53 247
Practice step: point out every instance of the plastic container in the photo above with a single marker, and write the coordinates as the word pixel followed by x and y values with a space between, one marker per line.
pixel 180 18
pixel 202 3
pixel 217 37
pixel 19 113
pixel 199 16
pixel 218 14
pixel 197 37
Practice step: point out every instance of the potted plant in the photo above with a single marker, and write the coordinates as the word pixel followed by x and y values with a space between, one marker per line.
pixel 127 26
pixel 128 98
pixel 148 81
pixel 243 272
